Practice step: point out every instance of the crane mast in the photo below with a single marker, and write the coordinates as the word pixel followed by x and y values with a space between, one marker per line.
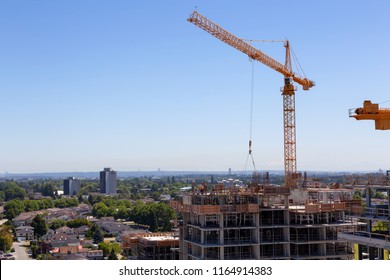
pixel 288 91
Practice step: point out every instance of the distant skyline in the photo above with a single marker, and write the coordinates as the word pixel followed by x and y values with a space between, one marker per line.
pixel 132 85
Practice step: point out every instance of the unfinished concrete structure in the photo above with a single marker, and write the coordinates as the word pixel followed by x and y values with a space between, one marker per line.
pixel 373 240
pixel 151 246
pixel 260 222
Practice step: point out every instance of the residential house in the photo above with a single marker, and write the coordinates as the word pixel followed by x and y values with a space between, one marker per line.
pixel 48 234
pixel 95 254
pixel 65 214
pixel 83 209
pixel 24 233
pixel 112 227
pixel 65 230
pixel 25 218
pixel 65 251
pixel 73 257
pixel 88 243
pixel 81 231
pixel 59 240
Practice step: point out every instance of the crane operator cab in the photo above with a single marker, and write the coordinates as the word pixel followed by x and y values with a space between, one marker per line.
pixel 288 81
pixel 288 88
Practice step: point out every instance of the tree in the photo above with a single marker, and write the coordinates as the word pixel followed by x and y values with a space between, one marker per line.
pixel 75 223
pixel 98 236
pixel 112 255
pixel 48 190
pixel 165 214
pixel 66 202
pixel 380 226
pixel 121 212
pixel 89 234
pixel 46 203
pixel 100 210
pixel 157 216
pixel 13 208
pixel 379 195
pixel 357 194
pixel 39 225
pixel 109 247
pixel 6 239
pixel 57 223
pixel 13 191
pixel 31 205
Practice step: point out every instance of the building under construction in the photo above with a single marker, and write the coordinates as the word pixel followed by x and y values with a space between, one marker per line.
pixel 151 246
pixel 264 222
pixel 373 240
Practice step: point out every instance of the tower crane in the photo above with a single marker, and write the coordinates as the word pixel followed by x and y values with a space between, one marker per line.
pixel 371 111
pixel 288 91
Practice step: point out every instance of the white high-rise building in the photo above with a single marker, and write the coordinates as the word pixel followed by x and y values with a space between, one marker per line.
pixel 108 179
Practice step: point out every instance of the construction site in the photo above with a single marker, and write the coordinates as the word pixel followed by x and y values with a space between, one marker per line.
pixel 265 222
pixel 151 246
pixel 373 240
pixel 300 219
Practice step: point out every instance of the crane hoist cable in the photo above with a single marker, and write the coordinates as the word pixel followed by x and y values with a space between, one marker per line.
pixel 250 154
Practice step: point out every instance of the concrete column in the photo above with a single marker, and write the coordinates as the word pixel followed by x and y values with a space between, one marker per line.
pixel 286 217
pixel 257 220
pixel 256 249
pixel 325 197
pixel 369 225
pixel 221 228
pixel 388 197
pixel 287 250
pixel 322 248
pixel 202 220
pixel 286 202
pixel 182 248
pixel 380 254
pixel 221 236
pixel 221 253
pixel 368 197
pixel 371 253
pixel 388 203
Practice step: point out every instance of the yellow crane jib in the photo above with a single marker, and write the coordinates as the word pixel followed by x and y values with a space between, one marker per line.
pixel 371 111
pixel 239 44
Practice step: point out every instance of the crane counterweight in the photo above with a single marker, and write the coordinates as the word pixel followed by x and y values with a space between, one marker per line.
pixel 371 111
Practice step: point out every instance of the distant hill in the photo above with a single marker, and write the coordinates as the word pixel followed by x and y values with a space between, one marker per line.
pixel 129 174
pixel 122 174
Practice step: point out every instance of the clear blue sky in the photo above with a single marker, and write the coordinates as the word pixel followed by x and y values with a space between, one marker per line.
pixel 134 86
